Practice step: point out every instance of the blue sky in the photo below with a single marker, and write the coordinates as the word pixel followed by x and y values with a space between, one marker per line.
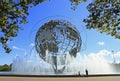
pixel 93 42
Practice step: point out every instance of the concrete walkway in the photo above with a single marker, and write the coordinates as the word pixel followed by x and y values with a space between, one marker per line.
pixel 103 78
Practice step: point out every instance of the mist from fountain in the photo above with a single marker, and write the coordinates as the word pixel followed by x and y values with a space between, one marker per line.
pixel 94 65
pixel 34 65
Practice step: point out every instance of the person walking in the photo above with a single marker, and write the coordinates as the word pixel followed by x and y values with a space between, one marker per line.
pixel 79 73
pixel 86 71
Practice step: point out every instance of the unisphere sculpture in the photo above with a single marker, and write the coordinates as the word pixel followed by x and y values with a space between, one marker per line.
pixel 57 40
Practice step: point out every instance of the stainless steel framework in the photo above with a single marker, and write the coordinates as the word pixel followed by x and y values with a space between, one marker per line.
pixel 55 39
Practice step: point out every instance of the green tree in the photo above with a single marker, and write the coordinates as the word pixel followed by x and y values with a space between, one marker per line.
pixel 13 13
pixel 104 17
pixel 75 3
pixel 5 67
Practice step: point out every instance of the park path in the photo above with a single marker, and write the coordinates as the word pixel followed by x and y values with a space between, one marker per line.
pixel 106 78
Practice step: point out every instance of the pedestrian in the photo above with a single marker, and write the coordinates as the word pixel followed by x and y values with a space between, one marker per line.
pixel 86 71
pixel 79 73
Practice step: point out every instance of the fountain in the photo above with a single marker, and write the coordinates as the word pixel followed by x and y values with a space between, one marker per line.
pixel 57 50
pixel 36 66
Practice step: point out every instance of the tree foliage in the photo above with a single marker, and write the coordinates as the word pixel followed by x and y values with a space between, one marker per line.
pixel 75 3
pixel 104 17
pixel 5 67
pixel 12 14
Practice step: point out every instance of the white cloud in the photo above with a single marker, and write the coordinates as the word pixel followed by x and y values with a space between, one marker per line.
pixel 17 48
pixel 104 55
pixel 116 55
pixel 32 44
pixel 100 55
pixel 101 43
pixel 14 47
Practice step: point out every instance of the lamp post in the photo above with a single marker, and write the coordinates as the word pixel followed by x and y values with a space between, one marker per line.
pixel 113 57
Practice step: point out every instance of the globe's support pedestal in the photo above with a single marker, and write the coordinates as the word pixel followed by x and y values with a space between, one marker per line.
pixel 55 66
pixel 58 71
